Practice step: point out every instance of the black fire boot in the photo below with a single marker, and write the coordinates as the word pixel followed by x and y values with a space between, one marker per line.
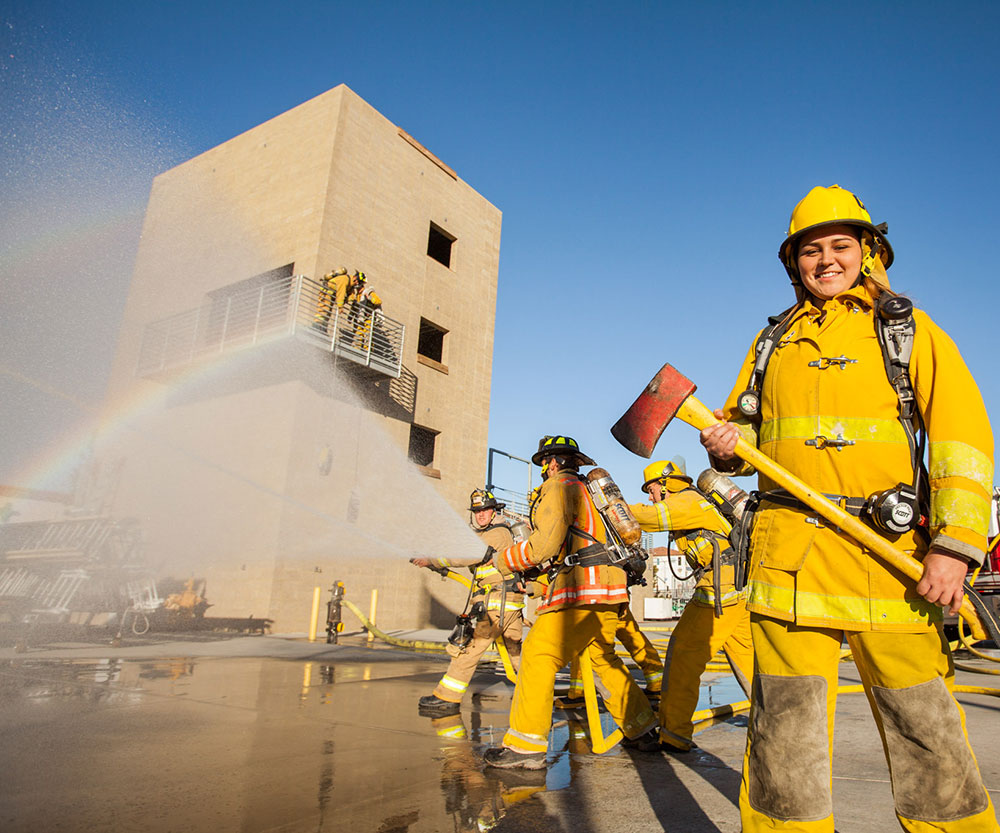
pixel 648 742
pixel 504 758
pixel 434 705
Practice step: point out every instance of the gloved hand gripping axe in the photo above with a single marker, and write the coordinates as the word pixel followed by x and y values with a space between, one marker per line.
pixel 670 394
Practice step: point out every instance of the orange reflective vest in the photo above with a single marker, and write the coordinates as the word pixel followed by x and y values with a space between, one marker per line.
pixel 564 502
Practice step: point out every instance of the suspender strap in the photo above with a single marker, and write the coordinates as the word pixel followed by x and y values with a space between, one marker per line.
pixel 716 578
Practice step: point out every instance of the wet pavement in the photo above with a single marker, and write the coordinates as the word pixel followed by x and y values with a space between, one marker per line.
pixel 269 733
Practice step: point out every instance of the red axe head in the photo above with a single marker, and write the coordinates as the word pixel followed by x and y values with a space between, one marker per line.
pixel 641 426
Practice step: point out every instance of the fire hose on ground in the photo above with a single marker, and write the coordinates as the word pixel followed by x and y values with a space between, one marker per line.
pixel 703 718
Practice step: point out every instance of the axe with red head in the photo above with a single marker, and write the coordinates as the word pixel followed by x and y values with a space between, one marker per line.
pixel 670 394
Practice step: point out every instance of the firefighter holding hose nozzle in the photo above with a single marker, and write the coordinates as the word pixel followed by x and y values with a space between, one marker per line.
pixel 494 608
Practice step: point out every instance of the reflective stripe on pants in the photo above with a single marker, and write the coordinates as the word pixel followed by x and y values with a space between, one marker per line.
pixel 555 639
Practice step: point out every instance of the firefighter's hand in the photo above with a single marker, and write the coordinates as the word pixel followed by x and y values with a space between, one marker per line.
pixel 720 439
pixel 421 562
pixel 942 580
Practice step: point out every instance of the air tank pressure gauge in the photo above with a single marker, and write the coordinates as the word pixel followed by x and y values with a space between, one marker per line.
pixel 749 403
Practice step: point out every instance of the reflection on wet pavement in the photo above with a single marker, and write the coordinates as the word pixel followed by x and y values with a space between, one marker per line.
pixel 263 744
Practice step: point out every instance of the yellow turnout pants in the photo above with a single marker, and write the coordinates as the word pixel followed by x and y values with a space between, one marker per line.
pixel 640 648
pixel 787 769
pixel 699 636
pixel 556 638
pixel 455 682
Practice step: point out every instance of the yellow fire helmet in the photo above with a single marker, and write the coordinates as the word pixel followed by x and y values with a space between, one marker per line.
pixel 660 471
pixel 828 207
pixel 483 499
pixel 560 446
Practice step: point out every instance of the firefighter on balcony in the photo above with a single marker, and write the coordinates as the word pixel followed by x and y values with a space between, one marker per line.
pixel 336 289
pixel 500 600
pixel 581 610
pixel 716 617
pixel 852 387
pixel 367 316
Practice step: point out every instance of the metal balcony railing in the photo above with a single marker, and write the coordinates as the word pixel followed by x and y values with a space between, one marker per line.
pixel 295 306
pixel 81 540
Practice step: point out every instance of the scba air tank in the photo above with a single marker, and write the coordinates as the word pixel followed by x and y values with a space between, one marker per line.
pixel 520 531
pixel 608 499
pixel 720 488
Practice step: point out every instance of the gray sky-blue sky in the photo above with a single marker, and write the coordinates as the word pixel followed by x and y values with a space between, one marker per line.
pixel 645 157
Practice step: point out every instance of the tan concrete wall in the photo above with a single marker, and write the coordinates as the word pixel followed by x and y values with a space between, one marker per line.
pixel 404 191
pixel 329 183
pixel 252 204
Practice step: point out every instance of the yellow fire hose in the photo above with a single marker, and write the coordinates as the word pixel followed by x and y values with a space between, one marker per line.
pixel 414 644
pixel 702 719
pixel 424 645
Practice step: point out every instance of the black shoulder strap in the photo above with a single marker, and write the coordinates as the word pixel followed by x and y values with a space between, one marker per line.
pixel 896 328
pixel 767 341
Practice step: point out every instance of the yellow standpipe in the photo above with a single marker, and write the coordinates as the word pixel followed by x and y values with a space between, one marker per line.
pixel 314 616
pixel 371 614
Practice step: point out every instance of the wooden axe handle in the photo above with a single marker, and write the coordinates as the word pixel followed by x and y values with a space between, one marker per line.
pixel 694 413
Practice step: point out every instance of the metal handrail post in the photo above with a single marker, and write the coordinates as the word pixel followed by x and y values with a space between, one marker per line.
pixel 194 335
pixel 256 321
pixel 292 313
pixel 489 467
pixel 225 324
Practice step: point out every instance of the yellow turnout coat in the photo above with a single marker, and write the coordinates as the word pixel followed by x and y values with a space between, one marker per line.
pixel 806 572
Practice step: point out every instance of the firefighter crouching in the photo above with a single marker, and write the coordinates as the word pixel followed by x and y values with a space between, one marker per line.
pixel 497 599
pixel 716 617
pixel 823 407
pixel 583 605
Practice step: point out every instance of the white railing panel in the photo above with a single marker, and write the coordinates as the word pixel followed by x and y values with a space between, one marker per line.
pixel 296 305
